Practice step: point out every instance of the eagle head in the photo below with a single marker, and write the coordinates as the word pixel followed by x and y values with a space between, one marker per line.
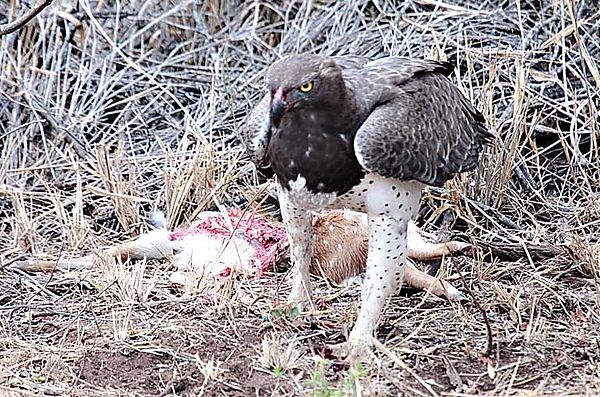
pixel 300 81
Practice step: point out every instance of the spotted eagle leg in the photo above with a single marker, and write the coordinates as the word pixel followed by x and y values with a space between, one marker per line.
pixel 298 224
pixel 390 206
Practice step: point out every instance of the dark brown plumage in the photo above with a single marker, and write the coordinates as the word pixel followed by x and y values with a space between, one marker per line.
pixel 403 118
pixel 316 133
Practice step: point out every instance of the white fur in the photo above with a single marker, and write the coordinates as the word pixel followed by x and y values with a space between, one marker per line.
pixel 208 255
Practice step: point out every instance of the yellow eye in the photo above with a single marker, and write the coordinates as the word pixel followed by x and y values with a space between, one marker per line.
pixel 306 87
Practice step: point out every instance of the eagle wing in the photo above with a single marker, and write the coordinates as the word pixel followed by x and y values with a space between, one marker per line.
pixel 418 125
pixel 256 131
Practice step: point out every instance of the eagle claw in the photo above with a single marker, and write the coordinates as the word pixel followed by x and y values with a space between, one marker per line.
pixel 353 352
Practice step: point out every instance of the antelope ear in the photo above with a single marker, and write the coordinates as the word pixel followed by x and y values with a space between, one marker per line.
pixel 256 132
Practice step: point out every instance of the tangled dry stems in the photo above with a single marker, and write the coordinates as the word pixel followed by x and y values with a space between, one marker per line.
pixel 108 111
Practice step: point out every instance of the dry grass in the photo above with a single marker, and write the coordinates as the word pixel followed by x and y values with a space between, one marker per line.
pixel 109 110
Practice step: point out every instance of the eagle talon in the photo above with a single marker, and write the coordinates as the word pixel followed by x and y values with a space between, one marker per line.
pixel 352 354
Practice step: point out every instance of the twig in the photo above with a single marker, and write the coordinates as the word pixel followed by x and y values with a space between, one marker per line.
pixel 484 209
pixel 488 327
pixel 23 19
pixel 514 251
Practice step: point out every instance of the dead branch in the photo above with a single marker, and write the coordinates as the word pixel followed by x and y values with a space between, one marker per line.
pixel 512 252
pixel 486 320
pixel 23 19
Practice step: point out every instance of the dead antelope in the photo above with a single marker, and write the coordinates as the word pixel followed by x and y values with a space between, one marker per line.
pixel 237 242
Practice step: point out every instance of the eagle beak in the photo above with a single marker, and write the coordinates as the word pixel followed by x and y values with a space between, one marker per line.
pixel 278 107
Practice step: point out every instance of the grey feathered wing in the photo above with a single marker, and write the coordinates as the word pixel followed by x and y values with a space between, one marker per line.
pixel 256 132
pixel 420 126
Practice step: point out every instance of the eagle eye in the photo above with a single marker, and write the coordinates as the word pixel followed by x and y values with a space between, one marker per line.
pixel 306 87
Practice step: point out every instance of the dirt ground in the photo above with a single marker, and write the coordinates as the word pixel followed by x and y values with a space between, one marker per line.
pixel 109 110
pixel 69 338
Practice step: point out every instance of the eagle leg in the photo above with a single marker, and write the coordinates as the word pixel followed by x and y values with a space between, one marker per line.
pixel 390 206
pixel 298 224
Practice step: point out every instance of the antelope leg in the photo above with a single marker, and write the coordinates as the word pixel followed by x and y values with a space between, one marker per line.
pixel 152 245
pixel 421 280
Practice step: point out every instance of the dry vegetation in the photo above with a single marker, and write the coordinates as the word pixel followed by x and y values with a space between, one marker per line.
pixel 111 109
